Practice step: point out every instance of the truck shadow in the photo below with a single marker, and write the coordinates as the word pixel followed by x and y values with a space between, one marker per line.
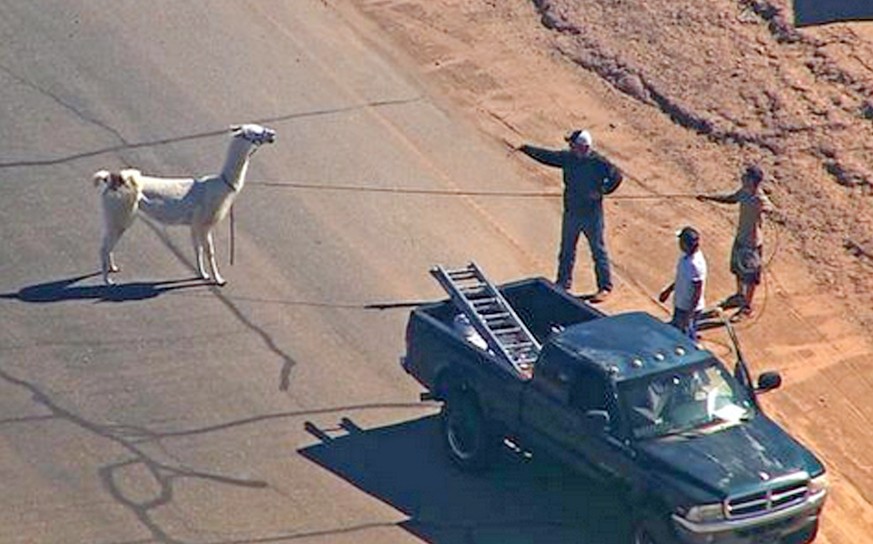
pixel 522 499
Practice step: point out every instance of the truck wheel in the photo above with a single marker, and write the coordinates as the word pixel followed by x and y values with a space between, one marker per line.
pixel 643 536
pixel 807 536
pixel 646 532
pixel 466 435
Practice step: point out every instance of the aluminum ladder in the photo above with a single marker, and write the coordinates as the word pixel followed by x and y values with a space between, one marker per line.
pixel 491 316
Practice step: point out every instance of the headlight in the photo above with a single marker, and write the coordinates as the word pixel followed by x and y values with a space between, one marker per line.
pixel 818 484
pixel 704 513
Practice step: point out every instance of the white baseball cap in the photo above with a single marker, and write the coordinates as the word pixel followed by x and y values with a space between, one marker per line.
pixel 578 137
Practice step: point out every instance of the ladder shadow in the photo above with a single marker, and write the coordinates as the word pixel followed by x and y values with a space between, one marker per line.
pixel 519 500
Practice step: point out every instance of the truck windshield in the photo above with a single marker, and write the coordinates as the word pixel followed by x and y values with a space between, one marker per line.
pixel 685 400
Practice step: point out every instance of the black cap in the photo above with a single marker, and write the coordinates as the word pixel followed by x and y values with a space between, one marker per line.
pixel 754 173
pixel 689 236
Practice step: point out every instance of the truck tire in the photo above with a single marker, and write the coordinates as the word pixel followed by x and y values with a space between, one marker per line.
pixel 467 436
pixel 642 535
pixel 806 536
pixel 647 530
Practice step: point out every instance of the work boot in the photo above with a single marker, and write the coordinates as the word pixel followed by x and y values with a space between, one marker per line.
pixel 600 296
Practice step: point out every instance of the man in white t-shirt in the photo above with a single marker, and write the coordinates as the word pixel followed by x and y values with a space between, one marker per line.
pixel 687 289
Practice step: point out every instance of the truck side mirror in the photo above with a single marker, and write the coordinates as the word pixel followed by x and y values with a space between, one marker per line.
pixel 768 381
pixel 597 421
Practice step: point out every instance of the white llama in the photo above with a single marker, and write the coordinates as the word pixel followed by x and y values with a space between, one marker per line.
pixel 201 203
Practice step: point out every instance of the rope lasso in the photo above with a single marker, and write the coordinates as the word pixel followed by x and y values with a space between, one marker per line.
pixel 232 237
pixel 446 192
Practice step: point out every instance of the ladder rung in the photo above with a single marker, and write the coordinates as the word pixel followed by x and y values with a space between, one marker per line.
pixel 501 327
pixel 463 274
pixel 520 355
pixel 518 346
pixel 495 315
pixel 475 290
pixel 525 354
pixel 472 287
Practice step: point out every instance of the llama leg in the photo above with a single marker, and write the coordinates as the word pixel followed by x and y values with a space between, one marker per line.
pixel 112 266
pixel 197 240
pixel 107 261
pixel 210 254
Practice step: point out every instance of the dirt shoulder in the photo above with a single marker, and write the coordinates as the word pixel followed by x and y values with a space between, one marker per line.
pixel 681 95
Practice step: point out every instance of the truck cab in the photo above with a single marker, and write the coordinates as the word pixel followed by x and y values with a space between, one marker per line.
pixel 635 400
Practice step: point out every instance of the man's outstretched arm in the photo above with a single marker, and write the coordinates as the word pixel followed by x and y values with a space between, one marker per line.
pixel 548 157
pixel 731 198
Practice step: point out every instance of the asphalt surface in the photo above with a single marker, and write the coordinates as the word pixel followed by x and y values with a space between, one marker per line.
pixel 273 409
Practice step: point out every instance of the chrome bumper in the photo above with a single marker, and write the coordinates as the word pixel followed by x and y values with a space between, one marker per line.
pixel 812 505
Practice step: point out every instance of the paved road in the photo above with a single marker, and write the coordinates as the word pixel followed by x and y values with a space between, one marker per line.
pixel 273 409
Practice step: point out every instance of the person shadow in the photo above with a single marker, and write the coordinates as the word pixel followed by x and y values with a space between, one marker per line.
pixel 67 289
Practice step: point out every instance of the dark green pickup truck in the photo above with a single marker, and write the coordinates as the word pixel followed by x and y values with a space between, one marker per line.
pixel 630 399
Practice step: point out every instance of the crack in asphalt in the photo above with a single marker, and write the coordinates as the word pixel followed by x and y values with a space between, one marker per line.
pixel 130 437
pixel 163 474
pixel 61 102
pixel 126 146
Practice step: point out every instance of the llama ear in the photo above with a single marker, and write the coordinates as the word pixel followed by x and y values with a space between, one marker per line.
pixel 235 128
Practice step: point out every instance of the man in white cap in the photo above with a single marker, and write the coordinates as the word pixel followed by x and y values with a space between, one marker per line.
pixel 687 289
pixel 587 178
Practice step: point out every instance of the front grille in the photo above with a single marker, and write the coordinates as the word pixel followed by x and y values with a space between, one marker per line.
pixel 777 497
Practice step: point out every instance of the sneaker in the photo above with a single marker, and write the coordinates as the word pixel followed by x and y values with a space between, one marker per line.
pixel 599 296
pixel 744 312
pixel 733 301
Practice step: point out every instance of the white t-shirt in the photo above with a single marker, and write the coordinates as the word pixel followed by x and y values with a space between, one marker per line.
pixel 689 269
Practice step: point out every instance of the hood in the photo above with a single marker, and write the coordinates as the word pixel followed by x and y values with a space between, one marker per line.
pixel 735 460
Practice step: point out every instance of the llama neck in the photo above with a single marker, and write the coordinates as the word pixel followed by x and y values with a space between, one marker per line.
pixel 237 163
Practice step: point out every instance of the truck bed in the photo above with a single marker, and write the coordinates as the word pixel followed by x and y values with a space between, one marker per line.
pixel 437 344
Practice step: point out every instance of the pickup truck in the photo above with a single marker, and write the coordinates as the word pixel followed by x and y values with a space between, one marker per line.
pixel 628 399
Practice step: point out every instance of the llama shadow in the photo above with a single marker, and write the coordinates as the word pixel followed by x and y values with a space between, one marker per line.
pixel 64 290
pixel 521 499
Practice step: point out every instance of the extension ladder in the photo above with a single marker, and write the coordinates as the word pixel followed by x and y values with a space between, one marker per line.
pixel 491 316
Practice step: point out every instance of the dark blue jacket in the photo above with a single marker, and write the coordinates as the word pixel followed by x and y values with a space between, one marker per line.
pixel 586 178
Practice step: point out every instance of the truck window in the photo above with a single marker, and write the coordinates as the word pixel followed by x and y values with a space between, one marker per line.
pixel 592 391
pixel 554 374
pixel 685 399
pixel 589 391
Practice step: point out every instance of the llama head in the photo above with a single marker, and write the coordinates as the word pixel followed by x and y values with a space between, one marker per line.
pixel 253 133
